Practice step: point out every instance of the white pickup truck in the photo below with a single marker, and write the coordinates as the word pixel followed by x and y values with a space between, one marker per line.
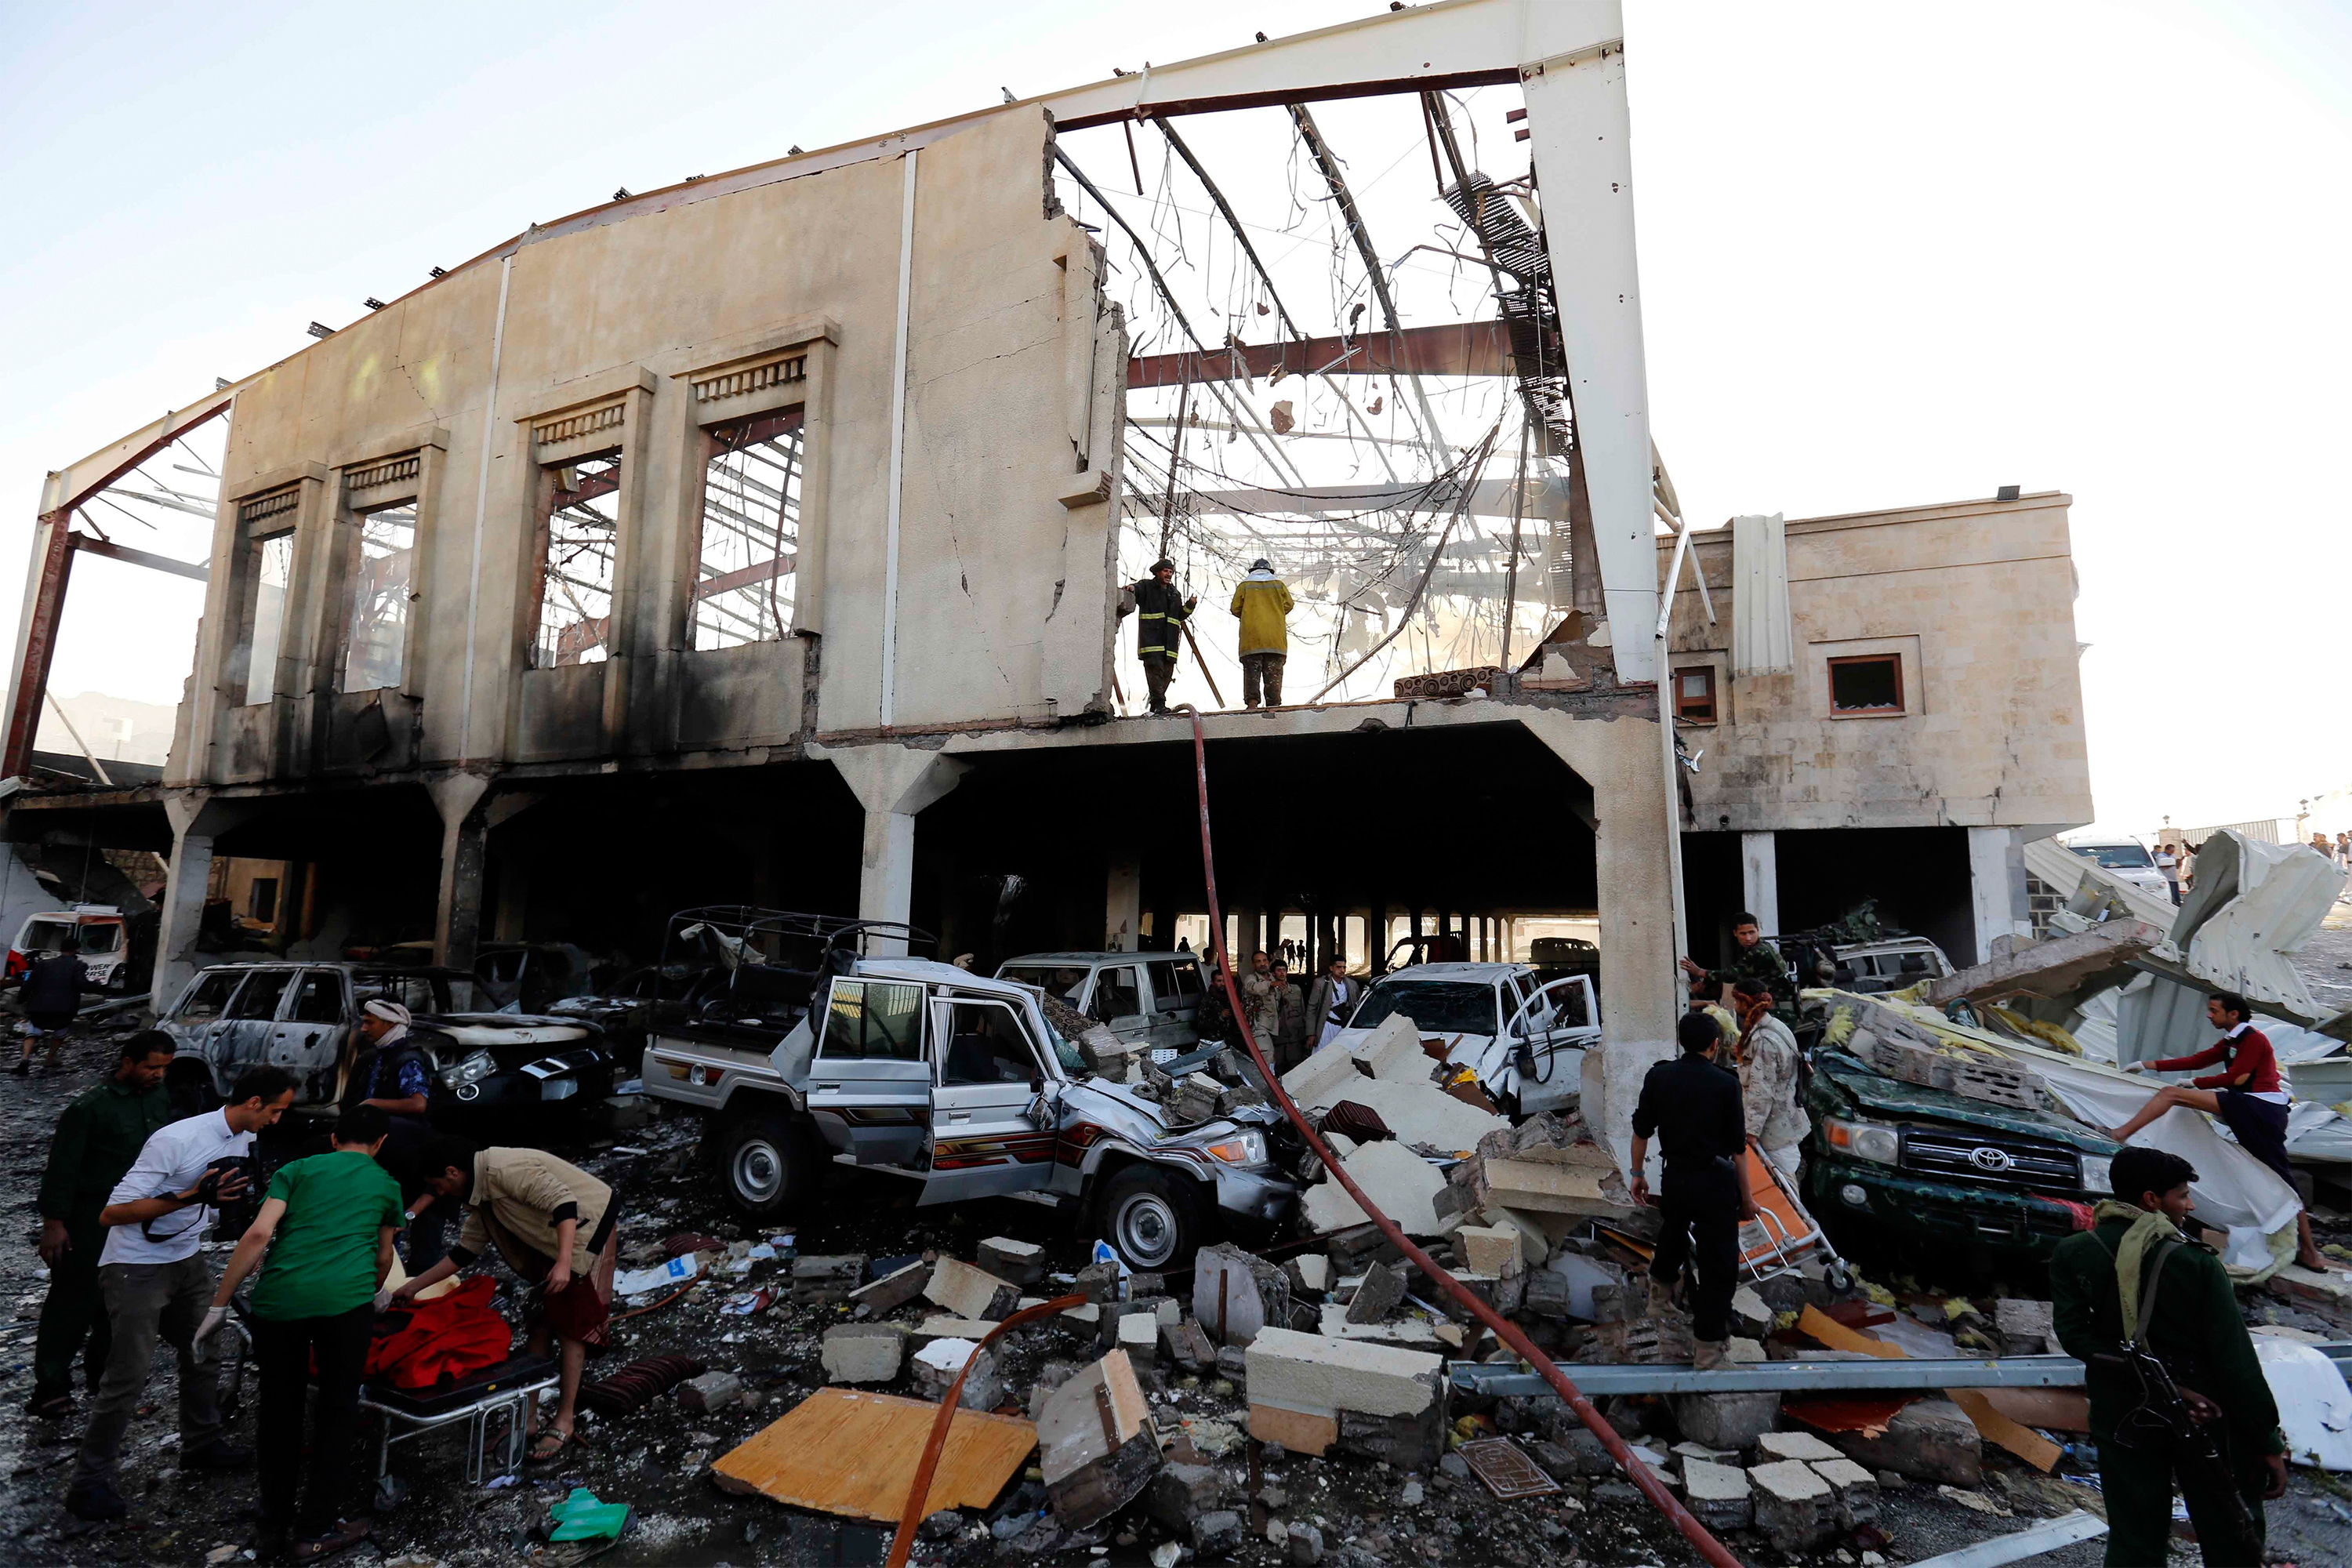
pixel 955 1081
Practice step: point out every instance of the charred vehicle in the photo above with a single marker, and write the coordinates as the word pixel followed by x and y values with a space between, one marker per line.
pixel 1152 998
pixel 802 1046
pixel 305 1018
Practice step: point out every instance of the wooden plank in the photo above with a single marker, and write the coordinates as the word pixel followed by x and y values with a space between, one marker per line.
pixel 853 1454
pixel 2023 1441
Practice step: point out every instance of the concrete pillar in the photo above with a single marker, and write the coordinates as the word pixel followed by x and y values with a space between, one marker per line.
pixel 465 849
pixel 892 783
pixel 196 819
pixel 1760 879
pixel 1123 904
pixel 1996 899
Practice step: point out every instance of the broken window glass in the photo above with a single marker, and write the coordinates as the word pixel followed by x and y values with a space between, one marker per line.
pixel 376 620
pixel 1868 683
pixel 270 567
pixel 750 531
pixel 581 534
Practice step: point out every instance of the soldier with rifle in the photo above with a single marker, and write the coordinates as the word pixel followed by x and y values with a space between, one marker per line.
pixel 2176 1396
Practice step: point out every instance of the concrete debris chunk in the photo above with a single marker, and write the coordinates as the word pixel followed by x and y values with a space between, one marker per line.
pixel 821 1279
pixel 1177 1494
pixel 1310 1274
pixel 1749 1314
pixel 2051 968
pixel 893 1290
pixel 1771 1446
pixel 1398 1182
pixel 1195 1099
pixel 1490 1249
pixel 1217 1534
pixel 969 1292
pixel 1022 1262
pixel 1138 1336
pixel 2025 1326
pixel 1406 1442
pixel 1314 1374
pixel 1927 1440
pixel 1552 1189
pixel 1718 1495
pixel 1096 1445
pixel 1392 1050
pixel 1235 1294
pixel 940 1326
pixel 1726 1420
pixel 937 1363
pixel 1855 1488
pixel 1305 1543
pixel 1795 1508
pixel 711 1391
pixel 1378 1294
pixel 864 1352
pixel 1408 1334
pixel 1188 1346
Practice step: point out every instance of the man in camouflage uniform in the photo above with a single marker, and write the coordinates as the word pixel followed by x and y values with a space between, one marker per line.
pixel 1752 958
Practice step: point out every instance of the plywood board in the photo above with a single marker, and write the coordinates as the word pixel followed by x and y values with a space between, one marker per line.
pixel 1990 1424
pixel 854 1453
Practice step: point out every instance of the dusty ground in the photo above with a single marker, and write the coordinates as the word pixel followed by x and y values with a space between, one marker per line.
pixel 656 1461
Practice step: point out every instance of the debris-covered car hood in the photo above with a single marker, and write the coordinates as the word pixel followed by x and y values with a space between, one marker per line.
pixel 1892 1096
pixel 509 1031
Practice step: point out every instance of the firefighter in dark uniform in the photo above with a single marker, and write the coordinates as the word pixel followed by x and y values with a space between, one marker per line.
pixel 2197 1331
pixel 1752 958
pixel 1160 614
pixel 1692 1106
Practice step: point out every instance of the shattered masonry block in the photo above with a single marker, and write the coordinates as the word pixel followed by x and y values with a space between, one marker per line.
pixel 1408 1334
pixel 1392 1051
pixel 1022 1262
pixel 1311 1372
pixel 1379 1293
pixel 1927 1440
pixel 1322 1077
pixel 1178 1494
pixel 1490 1249
pixel 1305 1544
pixel 1581 1444
pixel 1771 1446
pixel 1138 1336
pixel 1196 1098
pixel 1687 1451
pixel 1217 1534
pixel 1534 1241
pixel 1552 1459
pixel 1718 1496
pixel 1794 1507
pixel 711 1391
pixel 1855 1489
pixel 893 1290
pixel 1097 1282
pixel 1750 1316
pixel 864 1352
pixel 2025 1326
pixel 1310 1274
pixel 1397 1181
pixel 821 1279
pixel 1049 1376
pixel 1726 1420
pixel 1407 1442
pixel 1547 1295
pixel 1558 1138
pixel 1235 1293
pixel 1547 1189
pixel 1097 1448
pixel 1189 1347
pixel 969 1292
pixel 937 1363
pixel 940 1326
pixel 1351 1250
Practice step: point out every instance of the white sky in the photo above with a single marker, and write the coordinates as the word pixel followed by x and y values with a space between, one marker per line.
pixel 1889 255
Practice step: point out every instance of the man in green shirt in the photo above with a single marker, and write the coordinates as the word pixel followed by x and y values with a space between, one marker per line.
pixel 327 1223
pixel 2196 1329
pixel 1752 958
pixel 96 1139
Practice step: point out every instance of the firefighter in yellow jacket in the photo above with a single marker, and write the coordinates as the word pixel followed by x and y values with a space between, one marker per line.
pixel 1264 606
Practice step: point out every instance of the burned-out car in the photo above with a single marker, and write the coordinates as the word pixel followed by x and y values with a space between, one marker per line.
pixel 1907 1164
pixel 956 1081
pixel 305 1018
pixel 1151 997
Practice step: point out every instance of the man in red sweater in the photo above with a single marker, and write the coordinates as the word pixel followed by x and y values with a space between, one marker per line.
pixel 2247 1095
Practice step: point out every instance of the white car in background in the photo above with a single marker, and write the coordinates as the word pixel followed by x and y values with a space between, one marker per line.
pixel 1524 1039
pixel 2125 858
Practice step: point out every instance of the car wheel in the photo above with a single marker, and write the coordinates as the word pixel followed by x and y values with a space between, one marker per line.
pixel 768 1164
pixel 1150 1218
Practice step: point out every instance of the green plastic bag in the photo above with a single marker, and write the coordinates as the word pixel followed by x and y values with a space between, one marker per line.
pixel 581 1516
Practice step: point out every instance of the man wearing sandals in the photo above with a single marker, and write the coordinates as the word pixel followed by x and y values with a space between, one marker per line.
pixel 552 1223
pixel 328 1223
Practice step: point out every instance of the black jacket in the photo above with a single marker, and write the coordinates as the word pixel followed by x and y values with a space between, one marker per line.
pixel 1159 617
pixel 55 984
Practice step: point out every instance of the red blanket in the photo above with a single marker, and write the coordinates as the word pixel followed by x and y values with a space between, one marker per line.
pixel 445 1337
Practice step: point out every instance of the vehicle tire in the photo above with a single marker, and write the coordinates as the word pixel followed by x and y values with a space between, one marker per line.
pixel 1838 1277
pixel 1152 1217
pixel 769 1163
pixel 188 1085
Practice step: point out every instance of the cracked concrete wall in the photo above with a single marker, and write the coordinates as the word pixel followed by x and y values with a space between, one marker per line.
pixel 1004 599
pixel 1975 600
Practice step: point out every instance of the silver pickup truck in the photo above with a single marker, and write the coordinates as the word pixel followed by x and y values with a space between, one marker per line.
pixel 957 1081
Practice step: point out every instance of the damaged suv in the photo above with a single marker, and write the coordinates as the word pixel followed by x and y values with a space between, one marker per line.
pixel 1891 1162
pixel 956 1081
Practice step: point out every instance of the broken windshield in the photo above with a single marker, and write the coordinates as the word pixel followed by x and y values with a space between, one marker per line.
pixel 1438 1006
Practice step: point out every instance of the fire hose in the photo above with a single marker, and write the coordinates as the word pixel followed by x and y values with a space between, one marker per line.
pixel 1640 1474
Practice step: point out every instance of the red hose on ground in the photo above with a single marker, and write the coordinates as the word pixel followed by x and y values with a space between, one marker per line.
pixel 1714 1551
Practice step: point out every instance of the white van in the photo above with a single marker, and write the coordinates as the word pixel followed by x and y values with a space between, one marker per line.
pixel 105 941
pixel 2126 859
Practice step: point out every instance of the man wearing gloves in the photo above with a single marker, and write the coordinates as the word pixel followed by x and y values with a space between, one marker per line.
pixel 1161 612
pixel 156 1282
pixel 1264 606
pixel 328 1224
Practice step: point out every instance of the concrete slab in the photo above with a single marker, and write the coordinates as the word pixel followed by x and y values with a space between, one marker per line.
pixel 1775 1446
pixel 1490 1249
pixel 1392 1051
pixel 1022 1262
pixel 970 1292
pixel 864 1352
pixel 1402 1185
pixel 1316 1375
pixel 1096 1445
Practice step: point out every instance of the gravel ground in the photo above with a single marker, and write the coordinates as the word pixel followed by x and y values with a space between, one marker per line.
pixel 656 1461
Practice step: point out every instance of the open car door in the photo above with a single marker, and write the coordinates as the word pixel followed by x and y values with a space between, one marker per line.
pixel 870 1081
pixel 991 1130
pixel 1550 1035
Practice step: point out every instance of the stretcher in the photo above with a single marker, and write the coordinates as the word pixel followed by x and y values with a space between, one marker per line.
pixel 500 1394
pixel 1783 1235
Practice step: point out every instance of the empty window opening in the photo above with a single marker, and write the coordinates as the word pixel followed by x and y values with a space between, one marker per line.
pixel 1868 684
pixel 270 567
pixel 376 621
pixel 744 568
pixel 579 533
pixel 1695 694
pixel 263 896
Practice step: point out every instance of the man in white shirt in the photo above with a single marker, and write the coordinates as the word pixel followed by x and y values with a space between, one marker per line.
pixel 157 1285
pixel 1333 999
